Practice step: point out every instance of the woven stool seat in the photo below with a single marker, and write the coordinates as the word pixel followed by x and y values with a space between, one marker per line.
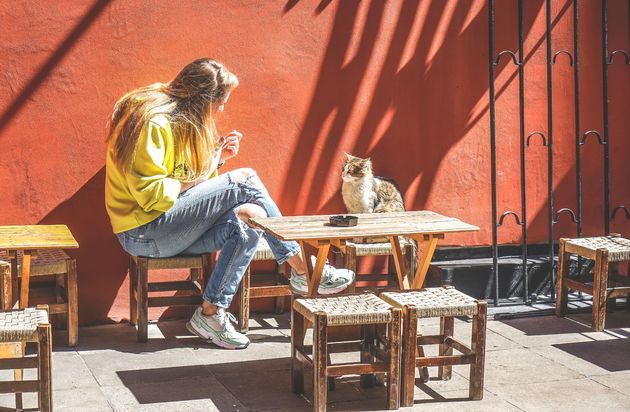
pixel 21 325
pixel 43 261
pixel 618 247
pixel 347 309
pixel 434 302
pixel 263 251
pixel 376 249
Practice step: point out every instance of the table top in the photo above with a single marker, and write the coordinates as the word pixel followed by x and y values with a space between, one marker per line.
pixel 31 237
pixel 369 225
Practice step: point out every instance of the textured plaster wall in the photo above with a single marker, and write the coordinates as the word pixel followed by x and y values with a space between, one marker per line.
pixel 405 82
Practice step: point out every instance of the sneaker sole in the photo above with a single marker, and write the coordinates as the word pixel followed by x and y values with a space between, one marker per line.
pixel 212 338
pixel 320 291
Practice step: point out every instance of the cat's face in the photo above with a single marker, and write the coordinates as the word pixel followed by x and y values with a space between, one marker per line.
pixel 355 168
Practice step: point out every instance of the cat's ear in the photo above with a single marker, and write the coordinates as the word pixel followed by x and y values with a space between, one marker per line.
pixel 348 155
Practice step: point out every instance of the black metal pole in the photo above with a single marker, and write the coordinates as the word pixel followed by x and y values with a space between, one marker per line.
pixel 550 151
pixel 493 149
pixel 576 87
pixel 605 101
pixel 521 105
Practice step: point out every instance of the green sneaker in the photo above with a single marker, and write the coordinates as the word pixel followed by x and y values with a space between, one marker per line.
pixel 217 329
pixel 333 281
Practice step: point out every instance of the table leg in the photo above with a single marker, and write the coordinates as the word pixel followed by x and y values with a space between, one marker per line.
pixel 314 274
pixel 26 277
pixel 399 261
pixel 429 242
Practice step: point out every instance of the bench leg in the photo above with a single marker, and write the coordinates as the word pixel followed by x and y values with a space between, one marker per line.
pixel 297 342
pixel 393 375
pixel 408 361
pixel 320 359
pixel 562 294
pixel 72 290
pixel 45 368
pixel 133 284
pixel 600 284
pixel 447 328
pixel 243 318
pixel 142 272
pixel 478 346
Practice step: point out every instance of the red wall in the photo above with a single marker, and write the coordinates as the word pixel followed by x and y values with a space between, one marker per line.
pixel 405 82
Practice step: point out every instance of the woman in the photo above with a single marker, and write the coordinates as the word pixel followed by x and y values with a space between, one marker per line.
pixel 164 195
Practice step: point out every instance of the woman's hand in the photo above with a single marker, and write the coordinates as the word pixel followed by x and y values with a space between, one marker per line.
pixel 232 145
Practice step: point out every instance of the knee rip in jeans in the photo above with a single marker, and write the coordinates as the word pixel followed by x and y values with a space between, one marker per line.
pixel 242 175
pixel 247 210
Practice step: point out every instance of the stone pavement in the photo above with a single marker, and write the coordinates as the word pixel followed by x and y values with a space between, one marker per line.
pixel 532 364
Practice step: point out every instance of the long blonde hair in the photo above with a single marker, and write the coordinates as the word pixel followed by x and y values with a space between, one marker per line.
pixel 189 101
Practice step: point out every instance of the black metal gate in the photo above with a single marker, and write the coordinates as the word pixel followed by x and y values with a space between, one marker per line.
pixel 603 138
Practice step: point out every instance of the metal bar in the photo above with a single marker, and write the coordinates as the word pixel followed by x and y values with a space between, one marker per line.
pixel 550 149
pixel 576 97
pixel 605 101
pixel 493 150
pixel 521 105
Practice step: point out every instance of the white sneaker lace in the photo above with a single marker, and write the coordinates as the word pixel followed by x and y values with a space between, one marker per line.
pixel 226 319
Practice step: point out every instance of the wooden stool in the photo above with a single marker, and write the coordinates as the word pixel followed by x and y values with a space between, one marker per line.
pixel 46 262
pixel 603 250
pixel 378 353
pixel 348 259
pixel 16 328
pixel 246 291
pixel 140 287
pixel 443 303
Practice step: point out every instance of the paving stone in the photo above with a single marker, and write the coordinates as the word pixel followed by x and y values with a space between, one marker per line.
pixel 565 395
pixel 521 366
pixel 80 399
pixel 545 331
pixel 187 393
pixel 69 371
pixel 617 381
pixel 107 364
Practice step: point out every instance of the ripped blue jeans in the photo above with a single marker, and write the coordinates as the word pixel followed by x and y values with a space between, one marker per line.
pixel 202 220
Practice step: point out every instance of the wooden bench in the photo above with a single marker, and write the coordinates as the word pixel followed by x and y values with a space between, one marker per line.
pixel 380 352
pixel 46 262
pixel 140 288
pixel 603 250
pixel 444 303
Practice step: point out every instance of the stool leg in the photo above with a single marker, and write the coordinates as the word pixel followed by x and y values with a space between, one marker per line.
pixel 279 300
pixel 5 273
pixel 478 346
pixel 408 357
pixel 243 318
pixel 143 296
pixel 61 284
pixel 563 271
pixel 351 264
pixel 393 375
pixel 368 335
pixel 133 284
pixel 320 357
pixel 447 329
pixel 600 285
pixel 72 290
pixel 297 342
pixel 45 368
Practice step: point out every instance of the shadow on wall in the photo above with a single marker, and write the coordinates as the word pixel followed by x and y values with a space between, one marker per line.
pixel 417 111
pixel 101 262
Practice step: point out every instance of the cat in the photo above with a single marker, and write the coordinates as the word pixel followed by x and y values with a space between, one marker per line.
pixel 363 192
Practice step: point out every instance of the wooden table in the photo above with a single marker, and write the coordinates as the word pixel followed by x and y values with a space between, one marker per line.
pixel 316 233
pixel 28 239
